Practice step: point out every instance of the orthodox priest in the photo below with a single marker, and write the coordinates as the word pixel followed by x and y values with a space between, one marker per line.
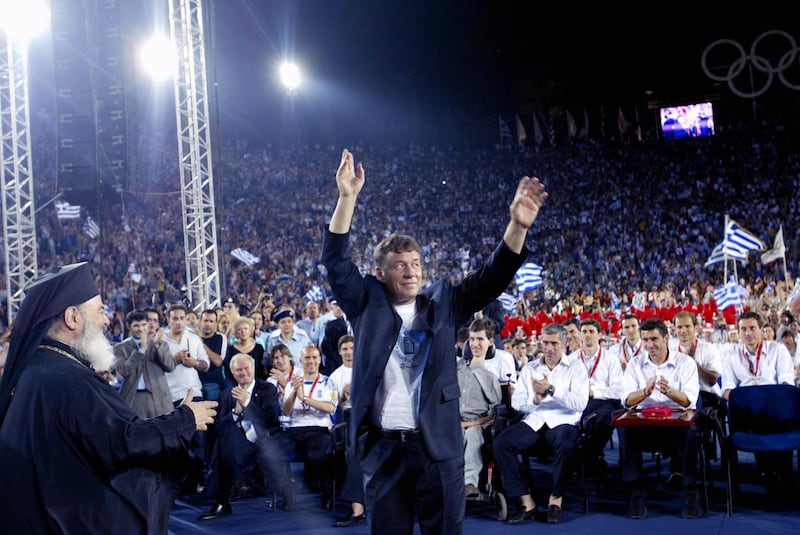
pixel 75 458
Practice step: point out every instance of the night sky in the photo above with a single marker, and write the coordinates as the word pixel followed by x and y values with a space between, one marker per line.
pixel 442 70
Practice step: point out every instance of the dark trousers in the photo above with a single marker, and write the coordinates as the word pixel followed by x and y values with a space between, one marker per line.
pixel 562 441
pixel 600 429
pixel 234 453
pixel 313 445
pixel 402 481
pixel 199 457
pixel 680 442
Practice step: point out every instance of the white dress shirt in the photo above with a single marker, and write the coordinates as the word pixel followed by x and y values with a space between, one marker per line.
pixel 565 406
pixel 771 364
pixel 679 370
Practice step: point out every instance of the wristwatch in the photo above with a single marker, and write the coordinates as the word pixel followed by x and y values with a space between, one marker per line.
pixel 550 390
pixel 668 393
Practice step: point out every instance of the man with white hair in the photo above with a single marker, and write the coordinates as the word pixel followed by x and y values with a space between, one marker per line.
pixel 75 457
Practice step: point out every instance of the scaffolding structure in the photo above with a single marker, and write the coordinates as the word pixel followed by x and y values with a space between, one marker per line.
pixel 194 150
pixel 19 229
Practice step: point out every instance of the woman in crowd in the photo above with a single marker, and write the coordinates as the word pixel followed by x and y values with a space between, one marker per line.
pixel 245 342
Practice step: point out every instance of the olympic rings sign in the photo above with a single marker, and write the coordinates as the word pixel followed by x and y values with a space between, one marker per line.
pixel 787 60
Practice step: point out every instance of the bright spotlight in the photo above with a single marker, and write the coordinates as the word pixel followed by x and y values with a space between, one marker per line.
pixel 22 21
pixel 157 58
pixel 290 76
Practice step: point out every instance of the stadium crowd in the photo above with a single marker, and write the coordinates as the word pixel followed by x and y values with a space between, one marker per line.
pixel 637 218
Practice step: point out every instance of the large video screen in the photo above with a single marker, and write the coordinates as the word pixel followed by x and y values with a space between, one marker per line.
pixel 689 120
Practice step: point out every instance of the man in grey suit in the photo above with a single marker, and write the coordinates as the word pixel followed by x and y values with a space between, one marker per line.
pixel 141 360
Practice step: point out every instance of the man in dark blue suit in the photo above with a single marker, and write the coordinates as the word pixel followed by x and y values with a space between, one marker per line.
pixel 248 411
pixel 405 417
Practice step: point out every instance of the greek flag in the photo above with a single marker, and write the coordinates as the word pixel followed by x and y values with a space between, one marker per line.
pixel 65 210
pixel 723 251
pixel 509 302
pixel 90 228
pixel 737 237
pixel 727 295
pixel 245 256
pixel 316 293
pixel 529 277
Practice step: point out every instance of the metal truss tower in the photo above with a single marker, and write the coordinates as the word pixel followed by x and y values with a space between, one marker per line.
pixel 194 148
pixel 19 229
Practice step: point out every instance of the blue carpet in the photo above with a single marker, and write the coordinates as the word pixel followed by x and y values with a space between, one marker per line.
pixel 754 511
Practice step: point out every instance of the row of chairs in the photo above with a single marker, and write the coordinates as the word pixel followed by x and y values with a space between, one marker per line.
pixel 757 419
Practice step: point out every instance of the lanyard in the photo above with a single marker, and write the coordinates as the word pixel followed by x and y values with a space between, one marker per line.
pixel 310 393
pixel 596 362
pixel 625 350
pixel 758 358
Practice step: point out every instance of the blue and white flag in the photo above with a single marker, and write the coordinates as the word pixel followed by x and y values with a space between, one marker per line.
pixel 727 295
pixel 90 228
pixel 529 277
pixel 65 210
pixel 724 251
pixel 316 293
pixel 245 256
pixel 736 236
pixel 509 302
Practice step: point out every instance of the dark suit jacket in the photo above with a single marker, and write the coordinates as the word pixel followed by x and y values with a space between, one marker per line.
pixel 129 362
pixel 263 409
pixel 443 307
pixel 334 330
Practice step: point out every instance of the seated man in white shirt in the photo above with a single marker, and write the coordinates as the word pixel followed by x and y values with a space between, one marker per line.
pixel 605 382
pixel 661 378
pixel 553 392
pixel 756 361
pixel 310 400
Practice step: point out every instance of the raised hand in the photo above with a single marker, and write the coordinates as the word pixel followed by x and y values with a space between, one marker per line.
pixel 530 196
pixel 349 177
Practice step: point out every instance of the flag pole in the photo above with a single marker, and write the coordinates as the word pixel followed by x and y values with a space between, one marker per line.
pixel 785 269
pixel 724 230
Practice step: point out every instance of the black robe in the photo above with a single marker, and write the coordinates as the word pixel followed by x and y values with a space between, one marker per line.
pixel 75 458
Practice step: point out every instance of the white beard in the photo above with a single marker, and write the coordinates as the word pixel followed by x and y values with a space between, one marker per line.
pixel 95 347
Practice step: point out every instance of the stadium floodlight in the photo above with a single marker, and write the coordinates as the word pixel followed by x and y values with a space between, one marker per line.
pixel 290 76
pixel 158 58
pixel 22 20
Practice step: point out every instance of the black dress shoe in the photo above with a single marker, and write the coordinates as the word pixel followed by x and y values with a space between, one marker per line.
pixel 637 509
pixel 239 492
pixel 554 514
pixel 522 516
pixel 217 510
pixel 691 504
pixel 351 520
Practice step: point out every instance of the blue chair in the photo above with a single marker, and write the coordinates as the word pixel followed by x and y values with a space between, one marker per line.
pixel 762 418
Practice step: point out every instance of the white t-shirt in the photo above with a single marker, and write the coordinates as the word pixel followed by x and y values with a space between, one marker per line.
pixel 397 398
pixel 341 377
pixel 182 378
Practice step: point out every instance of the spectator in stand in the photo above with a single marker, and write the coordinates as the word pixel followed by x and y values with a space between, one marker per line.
pixel 311 323
pixel 142 362
pixel 244 329
pixel 631 344
pixel 282 370
pixel 288 334
pixel 335 328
